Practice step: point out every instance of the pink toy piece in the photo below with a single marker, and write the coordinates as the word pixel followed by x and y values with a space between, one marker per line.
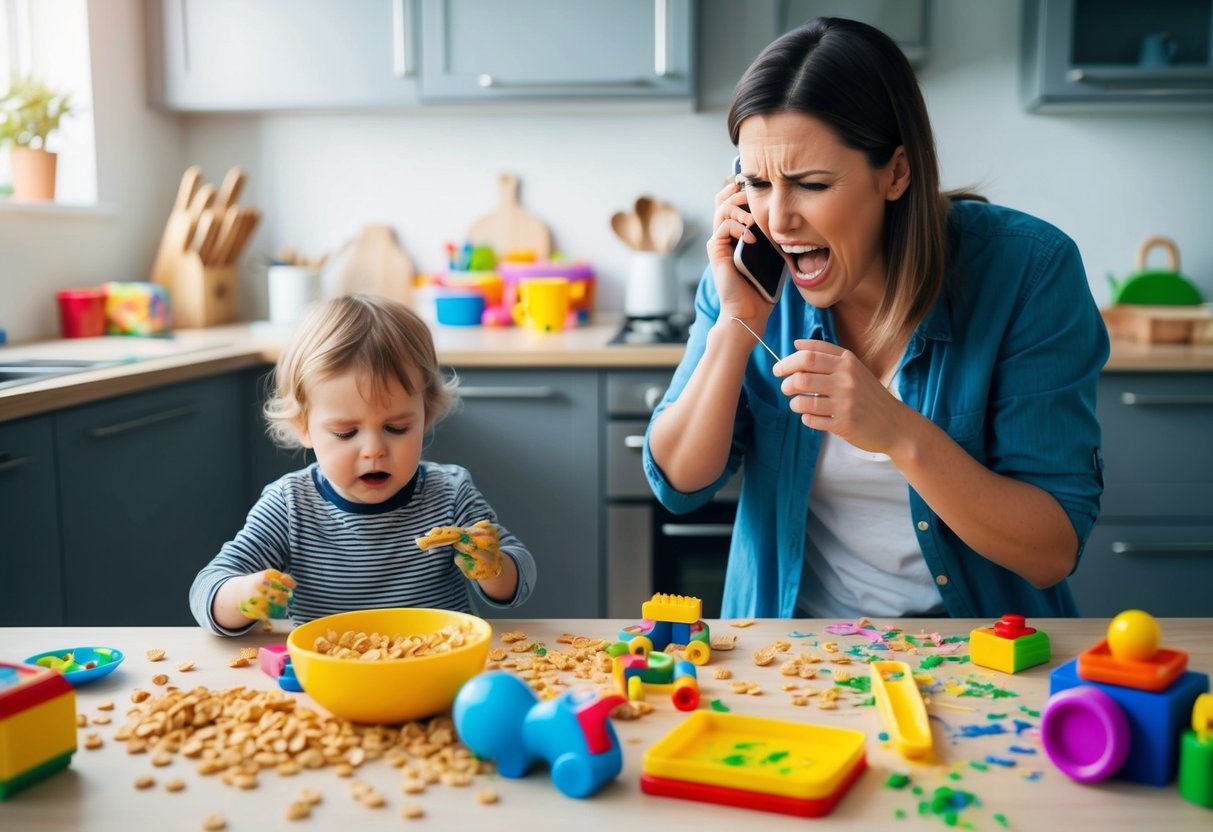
pixel 592 717
pixel 1085 733
pixel 272 659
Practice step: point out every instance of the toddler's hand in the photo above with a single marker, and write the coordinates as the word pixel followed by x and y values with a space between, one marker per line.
pixel 478 554
pixel 272 593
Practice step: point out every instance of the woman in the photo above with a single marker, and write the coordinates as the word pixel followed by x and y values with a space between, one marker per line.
pixel 927 444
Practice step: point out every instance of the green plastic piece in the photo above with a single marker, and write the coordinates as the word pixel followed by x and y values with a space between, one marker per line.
pixel 1156 288
pixel 1196 769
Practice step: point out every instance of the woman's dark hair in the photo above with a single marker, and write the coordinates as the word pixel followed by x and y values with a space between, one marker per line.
pixel 854 78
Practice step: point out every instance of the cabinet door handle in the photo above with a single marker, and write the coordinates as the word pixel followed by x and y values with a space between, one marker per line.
pixel 1187 80
pixel 661 63
pixel 507 393
pixel 697 529
pixel 635 441
pixel 1122 547
pixel 141 422
pixel 11 463
pixel 403 65
pixel 488 81
pixel 1146 400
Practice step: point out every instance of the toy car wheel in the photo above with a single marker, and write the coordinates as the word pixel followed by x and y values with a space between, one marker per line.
pixel 635 689
pixel 640 646
pixel 698 652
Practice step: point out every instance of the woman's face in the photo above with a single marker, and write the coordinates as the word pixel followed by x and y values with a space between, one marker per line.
pixel 820 203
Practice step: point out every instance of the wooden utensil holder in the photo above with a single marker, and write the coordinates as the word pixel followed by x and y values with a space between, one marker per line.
pixel 204 295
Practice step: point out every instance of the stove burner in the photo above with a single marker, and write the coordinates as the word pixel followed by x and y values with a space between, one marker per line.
pixel 672 330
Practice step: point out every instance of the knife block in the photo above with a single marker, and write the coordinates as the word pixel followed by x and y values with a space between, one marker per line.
pixel 204 295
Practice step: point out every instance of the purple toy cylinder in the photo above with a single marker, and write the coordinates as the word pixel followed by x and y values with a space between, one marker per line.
pixel 1085 734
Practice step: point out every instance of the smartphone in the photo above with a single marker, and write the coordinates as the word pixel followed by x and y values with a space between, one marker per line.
pixel 760 262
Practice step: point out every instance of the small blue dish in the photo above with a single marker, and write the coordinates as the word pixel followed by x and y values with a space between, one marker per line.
pixel 82 656
pixel 456 308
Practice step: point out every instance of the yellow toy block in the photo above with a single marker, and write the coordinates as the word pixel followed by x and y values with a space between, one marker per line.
pixel 37 725
pixel 678 609
pixel 1008 646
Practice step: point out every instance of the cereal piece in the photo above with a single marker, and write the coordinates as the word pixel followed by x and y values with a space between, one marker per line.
pixel 764 655
pixel 298 810
pixel 81 720
pixel 161 759
pixel 724 641
pixel 411 811
pixel 101 719
pixel 249 653
pixel 92 742
pixel 310 796
pixel 214 823
pixel 144 781
pixel 748 622
pixel 372 799
pixel 722 673
pixel 287 768
pixel 512 636
pixel 107 705
pixel 800 701
pixel 413 787
pixel 160 679
pixel 788 686
pixel 138 695
pixel 175 785
pixel 239 661
pixel 486 796
pixel 155 655
pixel 185 667
pixel 343 770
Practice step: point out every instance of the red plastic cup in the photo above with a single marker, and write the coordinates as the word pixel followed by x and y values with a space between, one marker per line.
pixel 81 313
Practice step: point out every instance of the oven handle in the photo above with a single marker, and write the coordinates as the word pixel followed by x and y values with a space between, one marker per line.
pixel 697 529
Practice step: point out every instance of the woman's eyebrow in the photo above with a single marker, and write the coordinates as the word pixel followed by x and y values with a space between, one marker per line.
pixel 802 174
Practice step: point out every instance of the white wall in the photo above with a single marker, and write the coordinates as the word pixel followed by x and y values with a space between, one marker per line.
pixel 1109 179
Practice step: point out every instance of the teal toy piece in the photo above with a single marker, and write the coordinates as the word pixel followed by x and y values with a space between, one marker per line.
pixel 80 665
pixel 499 718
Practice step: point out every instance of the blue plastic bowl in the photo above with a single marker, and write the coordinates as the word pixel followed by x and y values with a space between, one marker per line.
pixel 82 656
pixel 459 308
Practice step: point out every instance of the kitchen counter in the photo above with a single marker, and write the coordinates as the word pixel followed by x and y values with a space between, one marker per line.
pixel 189 354
pixel 1007 772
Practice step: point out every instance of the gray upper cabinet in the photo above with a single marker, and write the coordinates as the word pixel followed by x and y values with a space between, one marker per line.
pixel 731 34
pixel 489 50
pixel 1079 53
pixel 231 55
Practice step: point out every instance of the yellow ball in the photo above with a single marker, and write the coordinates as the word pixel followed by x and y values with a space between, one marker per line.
pixel 1134 636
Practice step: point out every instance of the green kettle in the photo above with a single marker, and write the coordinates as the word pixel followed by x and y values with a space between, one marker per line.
pixel 1156 287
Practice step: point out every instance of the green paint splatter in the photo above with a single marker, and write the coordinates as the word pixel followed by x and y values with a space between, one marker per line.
pixel 996 716
pixel 1029 711
pixel 897 780
pixel 746 746
pixel 954 775
pixel 540 650
pixel 734 760
pixel 775 756
pixel 899 814
pixel 980 766
pixel 717 705
pixel 917 790
pixel 1001 819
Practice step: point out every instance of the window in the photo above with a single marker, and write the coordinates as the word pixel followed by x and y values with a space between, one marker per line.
pixel 48 39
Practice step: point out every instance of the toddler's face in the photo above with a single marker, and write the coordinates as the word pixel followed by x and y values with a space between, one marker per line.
pixel 367 442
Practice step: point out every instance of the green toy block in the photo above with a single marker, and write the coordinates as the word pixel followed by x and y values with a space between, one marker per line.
pixel 1010 655
pixel 1196 769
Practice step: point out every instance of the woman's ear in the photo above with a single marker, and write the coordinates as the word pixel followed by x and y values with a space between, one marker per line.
pixel 897 173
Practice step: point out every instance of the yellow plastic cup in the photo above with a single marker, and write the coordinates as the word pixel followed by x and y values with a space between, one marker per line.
pixel 544 302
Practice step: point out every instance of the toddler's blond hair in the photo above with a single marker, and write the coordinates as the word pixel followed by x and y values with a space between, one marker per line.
pixel 367 334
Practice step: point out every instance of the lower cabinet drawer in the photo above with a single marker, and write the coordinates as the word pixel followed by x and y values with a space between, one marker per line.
pixel 1166 570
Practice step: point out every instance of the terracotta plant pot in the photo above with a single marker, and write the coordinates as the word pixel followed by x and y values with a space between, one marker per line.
pixel 33 174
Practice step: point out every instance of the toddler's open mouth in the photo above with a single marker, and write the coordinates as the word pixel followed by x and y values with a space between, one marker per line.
pixel 374 477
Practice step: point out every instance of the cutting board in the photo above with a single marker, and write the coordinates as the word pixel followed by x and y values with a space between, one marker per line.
pixel 373 263
pixel 509 228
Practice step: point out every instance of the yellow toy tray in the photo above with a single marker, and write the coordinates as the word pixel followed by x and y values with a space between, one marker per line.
pixel 901 707
pixel 772 756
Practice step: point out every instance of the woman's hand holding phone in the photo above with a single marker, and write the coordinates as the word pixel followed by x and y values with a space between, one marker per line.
pixel 738 298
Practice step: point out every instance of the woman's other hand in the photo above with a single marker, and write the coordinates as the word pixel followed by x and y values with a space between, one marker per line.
pixel 832 390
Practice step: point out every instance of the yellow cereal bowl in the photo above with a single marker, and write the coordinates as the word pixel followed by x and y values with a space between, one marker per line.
pixel 388 690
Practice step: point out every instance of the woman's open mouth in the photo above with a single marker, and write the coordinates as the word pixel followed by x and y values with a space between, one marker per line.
pixel 809 264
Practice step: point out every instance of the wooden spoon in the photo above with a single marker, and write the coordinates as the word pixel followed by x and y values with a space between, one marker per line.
pixel 627 228
pixel 666 228
pixel 644 210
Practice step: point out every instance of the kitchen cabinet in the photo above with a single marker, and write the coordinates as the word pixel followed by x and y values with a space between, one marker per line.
pixel 232 55
pixel 1079 53
pixel 31 566
pixel 531 441
pixel 1153 545
pixel 266 460
pixel 487 50
pixel 732 34
pixel 149 489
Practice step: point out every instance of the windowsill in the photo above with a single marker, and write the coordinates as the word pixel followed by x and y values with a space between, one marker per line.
pixel 57 209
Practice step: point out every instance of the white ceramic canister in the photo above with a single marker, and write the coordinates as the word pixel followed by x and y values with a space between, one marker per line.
pixel 291 288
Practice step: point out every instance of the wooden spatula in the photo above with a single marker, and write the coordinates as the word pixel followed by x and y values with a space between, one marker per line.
pixel 177 229
pixel 509 228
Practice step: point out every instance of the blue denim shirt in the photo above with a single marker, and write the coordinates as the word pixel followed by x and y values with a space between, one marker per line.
pixel 1006 362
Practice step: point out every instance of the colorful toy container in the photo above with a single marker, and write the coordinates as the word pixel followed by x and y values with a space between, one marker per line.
pixel 1010 645
pixel 1130 728
pixel 756 763
pixel 37 725
pixel 670 619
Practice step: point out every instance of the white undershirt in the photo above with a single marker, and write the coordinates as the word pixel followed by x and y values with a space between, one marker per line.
pixel 861 555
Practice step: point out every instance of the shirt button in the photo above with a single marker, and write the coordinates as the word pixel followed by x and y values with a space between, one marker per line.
pixel 942 580
pixel 923 525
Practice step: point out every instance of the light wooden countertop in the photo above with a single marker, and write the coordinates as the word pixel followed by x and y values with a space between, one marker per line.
pixel 96 793
pixel 190 354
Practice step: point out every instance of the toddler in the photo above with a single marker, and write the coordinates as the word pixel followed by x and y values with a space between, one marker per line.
pixel 359 384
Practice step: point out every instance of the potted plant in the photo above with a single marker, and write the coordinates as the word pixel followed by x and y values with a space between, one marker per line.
pixel 29 112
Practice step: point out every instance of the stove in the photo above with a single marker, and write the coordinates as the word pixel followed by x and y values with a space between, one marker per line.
pixel 671 329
